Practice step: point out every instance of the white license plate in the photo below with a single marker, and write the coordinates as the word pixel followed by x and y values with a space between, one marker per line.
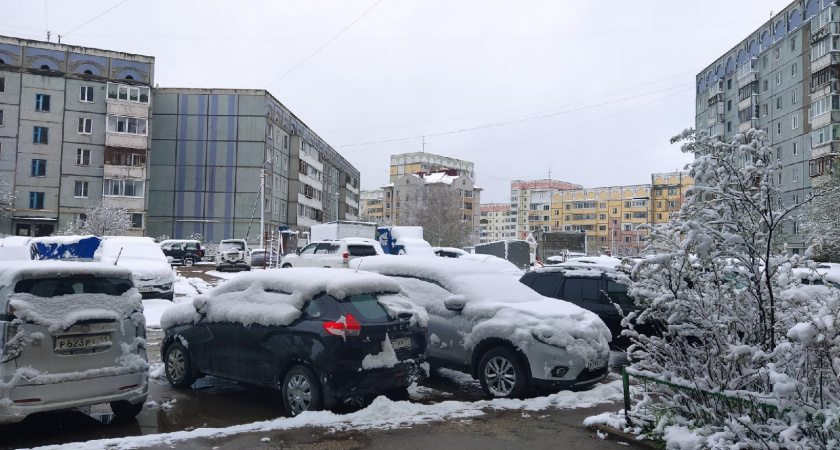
pixel 597 363
pixel 401 343
pixel 82 342
pixel 144 289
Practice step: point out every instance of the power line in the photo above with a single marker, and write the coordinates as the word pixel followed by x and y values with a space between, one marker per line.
pixel 322 47
pixel 91 20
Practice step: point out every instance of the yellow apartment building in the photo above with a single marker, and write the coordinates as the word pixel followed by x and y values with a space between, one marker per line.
pixel 372 206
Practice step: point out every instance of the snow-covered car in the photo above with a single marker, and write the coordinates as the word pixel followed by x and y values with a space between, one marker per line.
pixel 500 264
pixel 15 248
pixel 512 339
pixel 233 254
pixel 318 336
pixel 153 276
pixel 332 253
pixel 72 334
pixel 448 252
pixel 258 258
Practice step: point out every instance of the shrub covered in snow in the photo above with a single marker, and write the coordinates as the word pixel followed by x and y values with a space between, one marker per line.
pixel 736 321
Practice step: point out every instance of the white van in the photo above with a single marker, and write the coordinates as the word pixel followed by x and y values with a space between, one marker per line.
pixel 153 276
pixel 72 334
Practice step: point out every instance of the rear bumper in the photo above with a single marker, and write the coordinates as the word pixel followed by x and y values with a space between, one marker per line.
pixel 351 383
pixel 238 264
pixel 72 394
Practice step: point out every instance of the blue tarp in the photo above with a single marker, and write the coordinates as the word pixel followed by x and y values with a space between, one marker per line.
pixel 83 249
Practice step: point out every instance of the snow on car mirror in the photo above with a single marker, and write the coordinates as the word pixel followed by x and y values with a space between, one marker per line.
pixel 455 302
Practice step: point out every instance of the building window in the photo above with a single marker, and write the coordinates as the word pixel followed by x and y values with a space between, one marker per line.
pixel 136 220
pixel 729 105
pixel 778 103
pixel 36 200
pixel 86 94
pixel 626 238
pixel 729 84
pixel 128 159
pixel 85 125
pixel 778 153
pixel 794 121
pixel 778 78
pixel 795 228
pixel 793 98
pixel 780 178
pixel 729 126
pixel 794 70
pixel 42 102
pixel 82 157
pixel 795 149
pixel 778 53
pixel 81 189
pixel 128 93
pixel 764 86
pixel 764 110
pixel 38 168
pixel 779 128
pixel 123 188
pixel 1 117
pixel 130 125
pixel 40 135
pixel 2 85
pixel 794 174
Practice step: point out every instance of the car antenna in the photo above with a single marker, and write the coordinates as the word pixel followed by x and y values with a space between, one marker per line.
pixel 118 256
pixel 359 265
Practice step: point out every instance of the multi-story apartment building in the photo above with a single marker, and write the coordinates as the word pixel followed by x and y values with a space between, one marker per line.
pixel 669 190
pixel 420 162
pixel 530 204
pixel 372 206
pixel 469 195
pixel 783 78
pixel 214 148
pixel 74 129
pixel 496 223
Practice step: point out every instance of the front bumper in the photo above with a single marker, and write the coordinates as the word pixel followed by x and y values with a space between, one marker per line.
pixel 546 361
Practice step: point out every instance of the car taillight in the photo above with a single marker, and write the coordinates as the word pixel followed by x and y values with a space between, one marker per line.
pixel 346 257
pixel 347 326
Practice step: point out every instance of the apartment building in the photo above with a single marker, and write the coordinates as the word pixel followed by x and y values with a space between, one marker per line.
pixel 74 129
pixel 530 204
pixel 496 223
pixel 783 78
pixel 372 206
pixel 669 190
pixel 227 159
pixel 421 162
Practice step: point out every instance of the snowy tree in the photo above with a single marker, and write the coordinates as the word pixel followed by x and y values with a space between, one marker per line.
pixel 7 199
pixel 820 220
pixel 437 208
pixel 725 304
pixel 102 218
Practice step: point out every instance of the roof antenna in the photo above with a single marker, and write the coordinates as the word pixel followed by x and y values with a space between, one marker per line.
pixel 118 256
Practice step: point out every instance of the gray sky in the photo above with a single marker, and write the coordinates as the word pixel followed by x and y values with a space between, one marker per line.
pixel 591 89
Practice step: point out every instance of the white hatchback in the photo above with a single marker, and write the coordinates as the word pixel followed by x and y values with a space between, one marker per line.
pixel 72 334
pixel 332 253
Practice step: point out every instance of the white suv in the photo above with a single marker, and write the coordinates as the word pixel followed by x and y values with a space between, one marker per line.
pixel 72 334
pixel 332 253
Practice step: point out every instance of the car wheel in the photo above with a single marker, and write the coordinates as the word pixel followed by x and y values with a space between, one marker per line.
pixel 287 266
pixel 123 409
pixel 247 268
pixel 301 391
pixel 188 262
pixel 170 296
pixel 178 366
pixel 218 268
pixel 502 373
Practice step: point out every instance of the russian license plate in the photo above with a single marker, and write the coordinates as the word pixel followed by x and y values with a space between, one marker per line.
pixel 144 289
pixel 81 342
pixel 597 363
pixel 403 342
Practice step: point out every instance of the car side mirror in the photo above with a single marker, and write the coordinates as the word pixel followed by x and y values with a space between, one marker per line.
pixel 455 303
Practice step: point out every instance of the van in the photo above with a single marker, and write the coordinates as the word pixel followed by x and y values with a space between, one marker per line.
pixel 72 334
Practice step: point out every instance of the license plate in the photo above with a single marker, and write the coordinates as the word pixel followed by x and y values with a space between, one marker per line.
pixel 82 342
pixel 403 342
pixel 144 289
pixel 597 363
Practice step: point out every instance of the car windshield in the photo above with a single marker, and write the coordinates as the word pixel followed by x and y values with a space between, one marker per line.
pixel 225 246
pixel 366 308
pixel 82 284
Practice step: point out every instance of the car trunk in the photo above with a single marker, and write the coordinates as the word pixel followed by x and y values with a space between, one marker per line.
pixel 375 324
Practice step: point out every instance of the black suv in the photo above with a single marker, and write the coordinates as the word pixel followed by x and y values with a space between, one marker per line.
pixel 592 288
pixel 186 252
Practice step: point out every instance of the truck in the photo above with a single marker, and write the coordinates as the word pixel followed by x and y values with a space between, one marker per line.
pixel 403 240
pixel 342 229
pixel 559 245
pixel 518 252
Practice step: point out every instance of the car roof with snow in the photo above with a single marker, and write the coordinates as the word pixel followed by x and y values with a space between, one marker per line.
pixel 590 266
pixel 827 271
pixel 13 271
pixel 276 296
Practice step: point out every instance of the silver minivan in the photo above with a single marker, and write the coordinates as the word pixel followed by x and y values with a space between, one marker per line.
pixel 72 334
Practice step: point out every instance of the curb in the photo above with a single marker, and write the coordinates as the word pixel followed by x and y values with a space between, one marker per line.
pixel 628 438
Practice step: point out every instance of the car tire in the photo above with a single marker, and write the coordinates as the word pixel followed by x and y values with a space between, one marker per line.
pixel 502 374
pixel 287 266
pixel 247 268
pixel 218 268
pixel 123 409
pixel 188 262
pixel 301 391
pixel 170 296
pixel 178 366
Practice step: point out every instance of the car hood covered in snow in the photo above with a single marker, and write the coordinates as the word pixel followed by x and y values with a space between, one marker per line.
pixel 276 296
pixel 500 306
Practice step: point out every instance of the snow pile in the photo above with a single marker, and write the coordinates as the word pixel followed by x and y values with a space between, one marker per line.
pixel 276 296
pixel 411 238
pixel 386 358
pixel 503 265
pixel 497 306
pixel 15 248
pixel 381 414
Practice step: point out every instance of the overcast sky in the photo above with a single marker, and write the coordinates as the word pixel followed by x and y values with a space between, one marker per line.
pixel 588 90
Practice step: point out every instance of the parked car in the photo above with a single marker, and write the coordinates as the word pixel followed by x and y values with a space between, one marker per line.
pixel 258 258
pixel 318 336
pixel 70 336
pixel 233 254
pixel 182 251
pixel 332 253
pixel 449 252
pixel 513 340
pixel 152 274
pixel 593 283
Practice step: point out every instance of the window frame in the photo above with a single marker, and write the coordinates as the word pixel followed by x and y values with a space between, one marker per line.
pixel 40 135
pixel 82 154
pixel 81 189
pixel 36 199
pixel 38 168
pixel 86 94
pixel 85 125
pixel 42 102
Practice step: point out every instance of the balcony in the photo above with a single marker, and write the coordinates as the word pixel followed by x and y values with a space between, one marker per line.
pixel 716 131
pixel 829 59
pixel 125 172
pixel 825 23
pixel 748 73
pixel 714 119
pixel 749 102
pixel 746 126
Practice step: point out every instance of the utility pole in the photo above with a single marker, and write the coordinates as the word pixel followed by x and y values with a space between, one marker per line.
pixel 424 145
pixel 262 208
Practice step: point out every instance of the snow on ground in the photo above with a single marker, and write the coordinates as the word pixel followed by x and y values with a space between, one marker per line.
pixel 382 414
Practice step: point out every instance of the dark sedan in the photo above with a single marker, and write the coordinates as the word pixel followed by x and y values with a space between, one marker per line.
pixel 320 336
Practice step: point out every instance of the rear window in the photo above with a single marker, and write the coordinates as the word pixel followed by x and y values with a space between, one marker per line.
pixel 53 287
pixel 545 284
pixel 361 250
pixel 580 289
pixel 366 308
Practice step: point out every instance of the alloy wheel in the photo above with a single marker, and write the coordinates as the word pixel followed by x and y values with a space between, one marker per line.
pixel 500 376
